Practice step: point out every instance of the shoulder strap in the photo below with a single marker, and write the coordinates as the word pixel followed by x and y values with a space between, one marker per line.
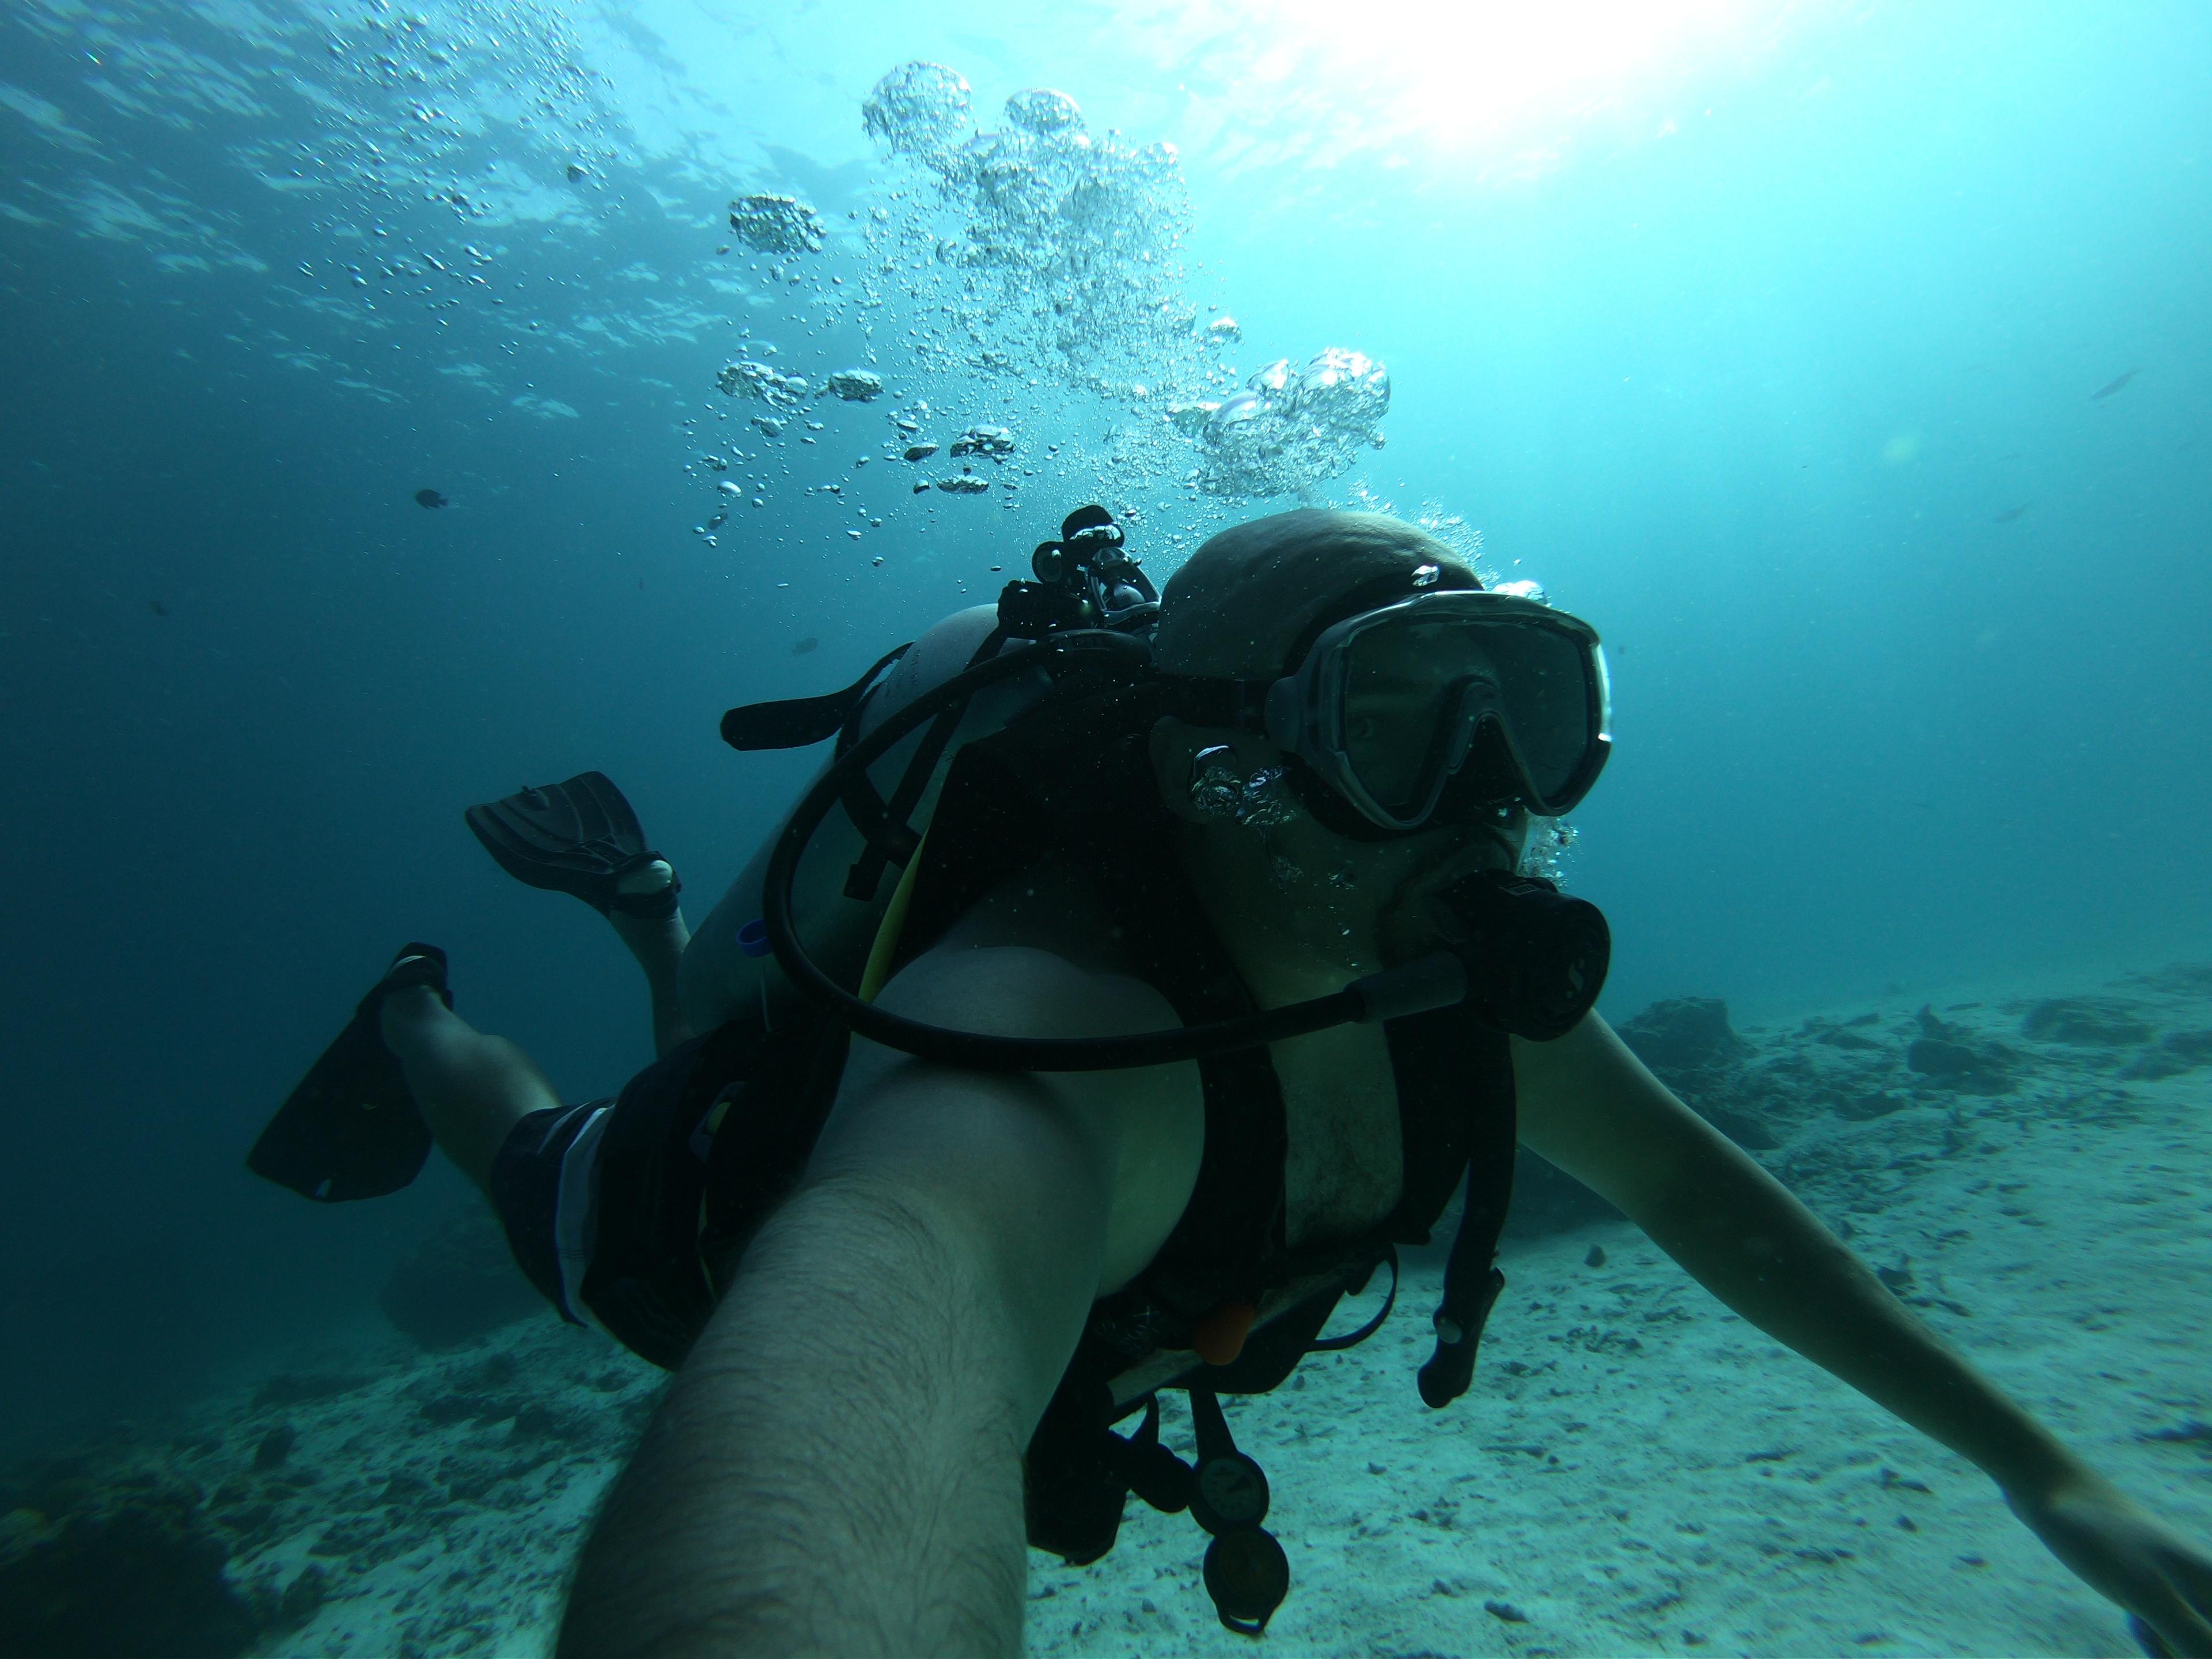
pixel 1454 1081
pixel 1456 1110
pixel 887 827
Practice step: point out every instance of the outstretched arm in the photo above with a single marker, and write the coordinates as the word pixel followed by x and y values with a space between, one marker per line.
pixel 1590 1107
pixel 837 1469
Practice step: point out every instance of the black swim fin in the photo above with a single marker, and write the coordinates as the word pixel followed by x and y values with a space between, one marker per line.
pixel 351 1129
pixel 578 837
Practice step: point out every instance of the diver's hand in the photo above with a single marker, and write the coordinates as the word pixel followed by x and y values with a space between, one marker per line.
pixel 2123 1552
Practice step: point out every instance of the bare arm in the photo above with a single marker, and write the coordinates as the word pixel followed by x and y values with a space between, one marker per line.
pixel 837 1467
pixel 1590 1107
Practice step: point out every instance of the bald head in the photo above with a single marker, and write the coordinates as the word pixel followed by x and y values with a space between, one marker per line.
pixel 1247 597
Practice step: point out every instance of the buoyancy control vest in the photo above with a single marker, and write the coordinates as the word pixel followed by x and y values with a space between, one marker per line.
pixel 1072 780
pixel 1225 1307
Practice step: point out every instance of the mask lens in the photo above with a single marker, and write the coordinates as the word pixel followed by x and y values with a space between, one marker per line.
pixel 1403 682
pixel 1406 681
pixel 1548 701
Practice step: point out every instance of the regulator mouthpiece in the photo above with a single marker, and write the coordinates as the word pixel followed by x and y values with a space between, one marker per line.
pixel 1535 959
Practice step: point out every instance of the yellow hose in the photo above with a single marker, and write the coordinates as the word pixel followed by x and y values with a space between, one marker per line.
pixel 893 926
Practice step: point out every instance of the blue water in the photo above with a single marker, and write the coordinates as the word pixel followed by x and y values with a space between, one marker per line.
pixel 1781 362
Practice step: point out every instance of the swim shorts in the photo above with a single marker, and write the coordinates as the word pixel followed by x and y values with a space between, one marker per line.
pixel 566 1181
pixel 545 1187
pixel 626 1213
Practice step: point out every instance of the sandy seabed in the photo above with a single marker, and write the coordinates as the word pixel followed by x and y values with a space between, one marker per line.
pixel 1636 1470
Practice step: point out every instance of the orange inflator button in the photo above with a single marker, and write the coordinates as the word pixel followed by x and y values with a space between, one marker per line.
pixel 1220 1335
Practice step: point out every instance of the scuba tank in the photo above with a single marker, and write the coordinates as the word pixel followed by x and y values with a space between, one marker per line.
pixel 844 886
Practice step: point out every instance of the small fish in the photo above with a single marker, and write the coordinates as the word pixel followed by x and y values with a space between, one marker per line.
pixel 2009 514
pixel 2120 385
pixel 805 646
pixel 429 498
pixel 157 607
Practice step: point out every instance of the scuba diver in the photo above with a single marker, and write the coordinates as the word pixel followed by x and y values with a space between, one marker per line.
pixel 1137 975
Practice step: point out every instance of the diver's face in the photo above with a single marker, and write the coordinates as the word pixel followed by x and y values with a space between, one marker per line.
pixel 1359 897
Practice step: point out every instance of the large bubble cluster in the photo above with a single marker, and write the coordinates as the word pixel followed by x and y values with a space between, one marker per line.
pixel 923 111
pixel 853 386
pixel 750 378
pixel 1026 275
pixel 1047 254
pixel 1040 239
pixel 776 224
pixel 1290 428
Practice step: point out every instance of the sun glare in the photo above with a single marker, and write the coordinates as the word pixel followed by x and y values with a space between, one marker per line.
pixel 1486 75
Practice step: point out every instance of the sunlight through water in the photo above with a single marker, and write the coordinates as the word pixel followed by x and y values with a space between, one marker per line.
pixel 1507 88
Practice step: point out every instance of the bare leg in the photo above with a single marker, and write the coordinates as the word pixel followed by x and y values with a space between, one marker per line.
pixel 472 1088
pixel 658 944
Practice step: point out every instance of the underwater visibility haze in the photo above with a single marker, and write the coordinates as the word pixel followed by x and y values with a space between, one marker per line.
pixel 405 401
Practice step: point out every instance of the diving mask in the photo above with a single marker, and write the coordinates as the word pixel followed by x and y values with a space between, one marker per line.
pixel 1445 704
